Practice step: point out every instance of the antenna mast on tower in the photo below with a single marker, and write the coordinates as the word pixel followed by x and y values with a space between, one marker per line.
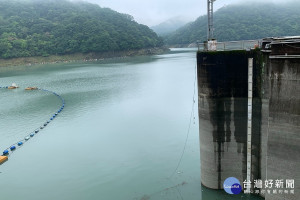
pixel 211 44
pixel 210 25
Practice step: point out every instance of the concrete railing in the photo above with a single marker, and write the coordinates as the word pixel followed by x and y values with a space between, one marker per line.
pixel 232 45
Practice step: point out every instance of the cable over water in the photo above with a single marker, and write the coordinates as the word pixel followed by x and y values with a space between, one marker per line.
pixel 18 144
pixel 191 119
pixel 189 126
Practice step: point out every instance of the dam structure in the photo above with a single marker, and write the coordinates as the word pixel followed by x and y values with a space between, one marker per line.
pixel 249 116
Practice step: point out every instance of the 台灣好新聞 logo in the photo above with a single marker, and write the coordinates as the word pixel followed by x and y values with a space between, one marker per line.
pixel 232 186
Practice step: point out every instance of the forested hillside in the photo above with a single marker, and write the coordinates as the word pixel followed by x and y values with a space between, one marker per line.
pixel 58 27
pixel 169 26
pixel 243 22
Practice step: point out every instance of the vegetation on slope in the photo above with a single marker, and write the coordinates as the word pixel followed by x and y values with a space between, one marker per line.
pixel 58 27
pixel 169 26
pixel 243 22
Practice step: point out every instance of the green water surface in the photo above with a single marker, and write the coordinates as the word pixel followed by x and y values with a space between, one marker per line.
pixel 120 136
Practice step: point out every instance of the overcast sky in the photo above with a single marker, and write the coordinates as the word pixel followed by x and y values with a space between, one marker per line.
pixel 153 12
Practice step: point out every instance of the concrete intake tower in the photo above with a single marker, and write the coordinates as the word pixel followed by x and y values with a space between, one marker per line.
pixel 249 116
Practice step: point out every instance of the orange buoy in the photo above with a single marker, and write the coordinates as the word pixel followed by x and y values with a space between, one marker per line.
pixel 3 159
pixel 31 88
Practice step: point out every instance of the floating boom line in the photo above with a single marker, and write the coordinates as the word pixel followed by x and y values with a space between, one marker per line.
pixel 20 143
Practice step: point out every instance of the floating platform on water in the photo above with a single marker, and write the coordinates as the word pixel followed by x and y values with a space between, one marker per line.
pixel 3 159
pixel 31 88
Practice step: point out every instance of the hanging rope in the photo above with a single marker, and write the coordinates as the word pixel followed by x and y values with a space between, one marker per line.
pixel 192 118
pixel 189 126
pixel 18 144
pixel 147 197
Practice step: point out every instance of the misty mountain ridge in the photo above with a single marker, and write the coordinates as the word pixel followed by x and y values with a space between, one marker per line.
pixel 58 27
pixel 169 25
pixel 243 22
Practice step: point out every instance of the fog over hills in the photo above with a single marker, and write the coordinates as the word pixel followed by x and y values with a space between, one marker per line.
pixel 154 12
pixel 169 26
pixel 243 22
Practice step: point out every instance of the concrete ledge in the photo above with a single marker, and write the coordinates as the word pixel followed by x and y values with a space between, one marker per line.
pixel 284 56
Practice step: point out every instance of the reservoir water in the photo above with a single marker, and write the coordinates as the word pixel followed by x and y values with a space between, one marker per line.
pixel 120 136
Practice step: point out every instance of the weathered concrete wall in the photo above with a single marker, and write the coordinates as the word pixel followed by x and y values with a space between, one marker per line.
pixel 223 97
pixel 283 153
pixel 264 123
pixel 222 90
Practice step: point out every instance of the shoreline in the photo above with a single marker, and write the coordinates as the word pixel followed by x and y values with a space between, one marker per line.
pixel 79 57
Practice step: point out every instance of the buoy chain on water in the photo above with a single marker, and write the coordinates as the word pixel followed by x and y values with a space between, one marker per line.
pixel 14 146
